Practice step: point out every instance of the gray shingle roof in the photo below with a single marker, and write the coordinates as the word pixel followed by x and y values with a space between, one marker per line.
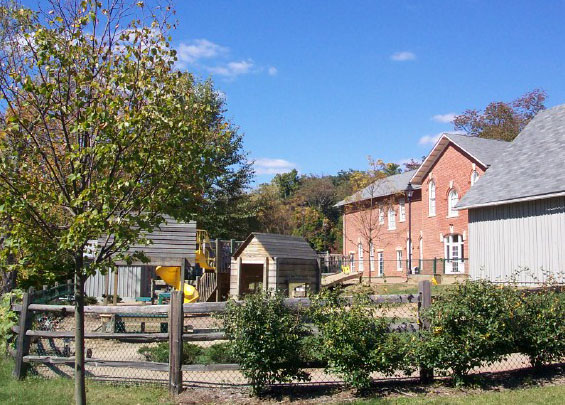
pixel 484 151
pixel 280 246
pixel 381 188
pixel 532 167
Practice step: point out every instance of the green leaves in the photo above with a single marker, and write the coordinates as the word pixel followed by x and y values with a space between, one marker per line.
pixel 266 339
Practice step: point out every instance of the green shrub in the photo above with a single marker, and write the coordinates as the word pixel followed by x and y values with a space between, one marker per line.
pixel 470 325
pixel 8 318
pixel 540 320
pixel 354 341
pixel 160 353
pixel 220 353
pixel 265 338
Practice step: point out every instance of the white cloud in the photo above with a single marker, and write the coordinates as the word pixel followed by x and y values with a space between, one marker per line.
pixel 272 166
pixel 199 49
pixel 272 71
pixel 444 118
pixel 403 56
pixel 232 69
pixel 432 139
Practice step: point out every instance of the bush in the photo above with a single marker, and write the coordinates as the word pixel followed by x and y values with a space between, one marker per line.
pixel 540 320
pixel 220 353
pixel 470 324
pixel 265 339
pixel 8 318
pixel 354 342
pixel 160 353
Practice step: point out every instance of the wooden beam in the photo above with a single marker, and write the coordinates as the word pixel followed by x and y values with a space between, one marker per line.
pixel 144 337
pixel 203 337
pixel 70 361
pixel 100 309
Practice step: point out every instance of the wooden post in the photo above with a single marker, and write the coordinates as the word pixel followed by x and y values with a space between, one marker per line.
pixel 219 262
pixel 319 276
pixel 23 342
pixel 107 287
pixel 176 320
pixel 425 301
pixel 115 298
pixel 266 274
pixel 239 277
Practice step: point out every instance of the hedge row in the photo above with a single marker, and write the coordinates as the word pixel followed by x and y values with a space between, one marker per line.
pixel 472 324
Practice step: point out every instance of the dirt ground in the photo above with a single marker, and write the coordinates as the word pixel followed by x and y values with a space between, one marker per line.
pixel 336 394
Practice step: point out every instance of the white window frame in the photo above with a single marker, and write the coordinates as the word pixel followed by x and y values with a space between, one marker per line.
pixel 432 199
pixel 454 265
pixel 399 259
pixel 361 267
pixel 381 262
pixel 391 219
pixel 381 216
pixel 474 177
pixel 401 210
pixel 371 257
pixel 452 200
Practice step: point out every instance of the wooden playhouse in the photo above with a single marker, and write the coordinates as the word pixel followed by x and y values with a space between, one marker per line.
pixel 274 262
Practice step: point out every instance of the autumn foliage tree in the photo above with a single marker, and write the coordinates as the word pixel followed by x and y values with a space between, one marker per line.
pixel 100 137
pixel 501 120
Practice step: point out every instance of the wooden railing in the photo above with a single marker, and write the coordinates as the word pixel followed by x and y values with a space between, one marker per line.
pixel 207 285
pixel 175 334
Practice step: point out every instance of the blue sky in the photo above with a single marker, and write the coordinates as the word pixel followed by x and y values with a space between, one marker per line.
pixel 320 85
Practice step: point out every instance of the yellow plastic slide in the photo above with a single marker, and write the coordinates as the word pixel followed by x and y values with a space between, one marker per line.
pixel 171 276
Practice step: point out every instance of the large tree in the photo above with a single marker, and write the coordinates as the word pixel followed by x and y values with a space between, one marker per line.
pixel 502 120
pixel 100 136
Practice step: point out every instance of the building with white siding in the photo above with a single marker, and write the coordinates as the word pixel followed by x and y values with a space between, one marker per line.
pixel 517 208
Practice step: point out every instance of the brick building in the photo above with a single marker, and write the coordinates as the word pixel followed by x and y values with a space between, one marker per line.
pixel 377 219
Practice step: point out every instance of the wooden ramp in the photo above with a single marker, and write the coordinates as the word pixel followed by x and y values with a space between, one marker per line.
pixel 339 278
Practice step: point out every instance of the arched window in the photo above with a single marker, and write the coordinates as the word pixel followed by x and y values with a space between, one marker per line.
pixel 432 199
pixel 452 200
pixel 454 254
pixel 474 177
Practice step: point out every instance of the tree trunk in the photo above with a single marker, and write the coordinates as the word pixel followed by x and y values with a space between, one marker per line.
pixel 80 388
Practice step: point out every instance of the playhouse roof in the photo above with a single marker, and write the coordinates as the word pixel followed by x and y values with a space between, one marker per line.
pixel 280 246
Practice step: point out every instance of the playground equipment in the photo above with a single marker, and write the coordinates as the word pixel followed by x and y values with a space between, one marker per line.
pixel 171 276
pixel 204 251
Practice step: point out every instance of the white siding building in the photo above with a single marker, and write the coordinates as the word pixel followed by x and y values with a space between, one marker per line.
pixel 517 209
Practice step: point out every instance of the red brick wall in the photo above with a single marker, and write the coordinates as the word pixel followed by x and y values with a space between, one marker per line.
pixel 452 169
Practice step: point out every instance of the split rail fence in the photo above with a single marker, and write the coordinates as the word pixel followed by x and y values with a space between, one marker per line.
pixel 125 343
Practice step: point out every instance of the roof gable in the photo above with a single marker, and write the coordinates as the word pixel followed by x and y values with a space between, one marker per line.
pixel 532 167
pixel 483 151
pixel 280 246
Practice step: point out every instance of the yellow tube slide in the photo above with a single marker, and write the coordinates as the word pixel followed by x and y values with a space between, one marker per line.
pixel 171 276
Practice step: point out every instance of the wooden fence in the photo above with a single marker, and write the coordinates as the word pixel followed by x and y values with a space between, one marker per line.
pixel 175 311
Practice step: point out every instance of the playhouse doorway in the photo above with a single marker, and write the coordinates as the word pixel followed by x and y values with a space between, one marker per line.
pixel 251 278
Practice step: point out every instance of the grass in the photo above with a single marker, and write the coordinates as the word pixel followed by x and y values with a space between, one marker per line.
pixel 392 288
pixel 547 395
pixel 58 391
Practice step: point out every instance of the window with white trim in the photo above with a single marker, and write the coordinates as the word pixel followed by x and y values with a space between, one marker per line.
pixel 452 200
pixel 399 259
pixel 391 218
pixel 432 199
pixel 381 260
pixel 381 216
pixel 371 257
pixel 360 256
pixel 474 177
pixel 401 210
pixel 454 254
